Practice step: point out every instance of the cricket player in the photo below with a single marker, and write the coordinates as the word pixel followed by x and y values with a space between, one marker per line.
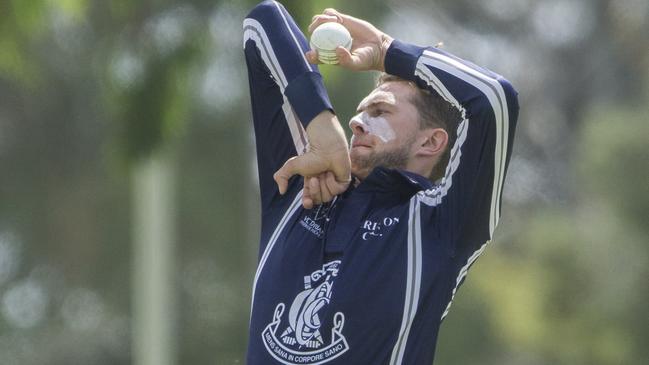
pixel 363 246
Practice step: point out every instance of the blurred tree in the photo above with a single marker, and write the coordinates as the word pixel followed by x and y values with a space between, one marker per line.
pixel 88 89
pixel 568 286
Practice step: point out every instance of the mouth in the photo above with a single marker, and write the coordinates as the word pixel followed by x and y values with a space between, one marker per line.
pixel 356 143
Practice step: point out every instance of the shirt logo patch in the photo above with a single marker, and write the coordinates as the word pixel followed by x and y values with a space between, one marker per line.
pixel 372 229
pixel 301 341
pixel 313 222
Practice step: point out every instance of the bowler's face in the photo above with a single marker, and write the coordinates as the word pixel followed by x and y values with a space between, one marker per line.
pixel 384 130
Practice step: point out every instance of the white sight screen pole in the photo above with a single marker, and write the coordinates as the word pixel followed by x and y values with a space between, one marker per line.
pixel 153 321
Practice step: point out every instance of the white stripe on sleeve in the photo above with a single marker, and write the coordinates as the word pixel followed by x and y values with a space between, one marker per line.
pixel 495 94
pixel 254 30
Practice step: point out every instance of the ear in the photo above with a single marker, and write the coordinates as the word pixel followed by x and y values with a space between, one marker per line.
pixel 433 142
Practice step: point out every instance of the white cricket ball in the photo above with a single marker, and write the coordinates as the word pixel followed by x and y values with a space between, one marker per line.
pixel 326 37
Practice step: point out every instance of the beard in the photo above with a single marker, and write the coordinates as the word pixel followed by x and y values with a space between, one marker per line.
pixel 393 159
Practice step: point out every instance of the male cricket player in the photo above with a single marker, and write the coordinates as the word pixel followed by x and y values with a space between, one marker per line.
pixel 364 245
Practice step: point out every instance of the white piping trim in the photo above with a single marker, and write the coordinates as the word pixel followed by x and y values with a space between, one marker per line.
pixel 273 239
pixel 413 282
pixel 434 196
pixel 308 65
pixel 259 36
pixel 463 272
pixel 494 92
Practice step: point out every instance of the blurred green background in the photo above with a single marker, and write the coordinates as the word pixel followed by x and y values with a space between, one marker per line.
pixel 126 147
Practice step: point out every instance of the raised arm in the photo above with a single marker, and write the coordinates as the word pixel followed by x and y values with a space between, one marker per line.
pixel 292 113
pixel 467 201
pixel 471 189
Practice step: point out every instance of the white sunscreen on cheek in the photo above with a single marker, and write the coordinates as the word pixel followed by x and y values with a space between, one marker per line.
pixel 376 126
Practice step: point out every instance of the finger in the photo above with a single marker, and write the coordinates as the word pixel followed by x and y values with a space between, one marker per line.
pixel 312 57
pixel 326 193
pixel 345 58
pixel 358 60
pixel 305 188
pixel 307 202
pixel 320 19
pixel 335 13
pixel 342 169
pixel 304 165
pixel 333 186
pixel 355 26
pixel 284 173
pixel 315 191
pixel 330 16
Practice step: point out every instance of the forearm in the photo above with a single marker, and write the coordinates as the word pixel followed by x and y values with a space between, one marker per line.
pixel 327 131
pixel 328 152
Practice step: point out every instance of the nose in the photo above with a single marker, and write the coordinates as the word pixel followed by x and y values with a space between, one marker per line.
pixel 357 126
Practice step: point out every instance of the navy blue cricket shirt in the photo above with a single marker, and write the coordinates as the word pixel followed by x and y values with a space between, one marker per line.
pixel 368 278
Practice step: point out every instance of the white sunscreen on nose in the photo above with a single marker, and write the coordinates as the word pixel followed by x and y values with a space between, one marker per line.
pixel 376 126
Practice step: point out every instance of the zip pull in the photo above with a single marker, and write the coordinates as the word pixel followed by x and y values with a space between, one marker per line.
pixel 328 215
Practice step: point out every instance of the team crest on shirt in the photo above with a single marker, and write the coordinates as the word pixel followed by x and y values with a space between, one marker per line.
pixel 314 221
pixel 295 338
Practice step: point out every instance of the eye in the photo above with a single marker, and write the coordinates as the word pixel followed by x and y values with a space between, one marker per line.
pixel 378 112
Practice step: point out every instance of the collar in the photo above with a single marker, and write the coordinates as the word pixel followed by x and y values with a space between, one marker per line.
pixel 386 180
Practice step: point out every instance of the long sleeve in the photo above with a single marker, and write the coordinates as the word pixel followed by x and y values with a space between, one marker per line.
pixel 286 91
pixel 466 204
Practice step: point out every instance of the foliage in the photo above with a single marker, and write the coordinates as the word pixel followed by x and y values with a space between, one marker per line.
pixel 84 84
